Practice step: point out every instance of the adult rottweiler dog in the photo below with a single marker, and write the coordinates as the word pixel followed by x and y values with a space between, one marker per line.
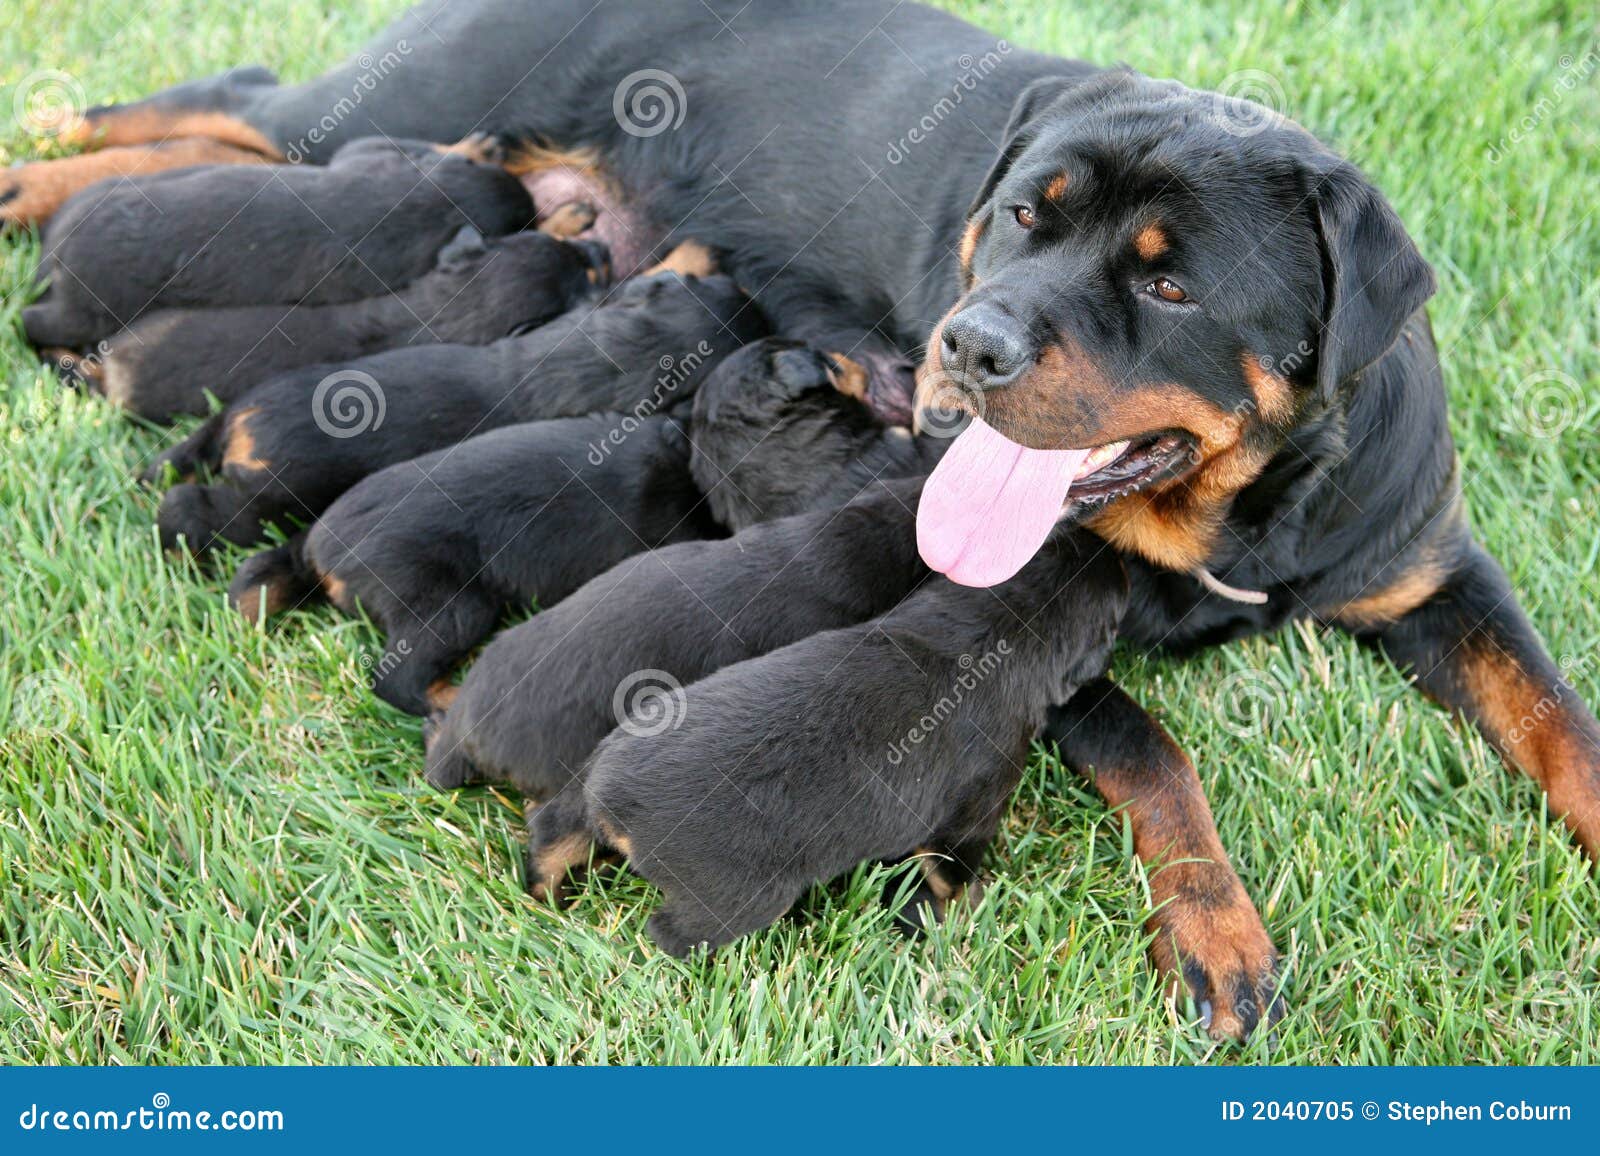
pixel 1141 263
pixel 294 443
pixel 438 548
pixel 369 223
pixel 479 290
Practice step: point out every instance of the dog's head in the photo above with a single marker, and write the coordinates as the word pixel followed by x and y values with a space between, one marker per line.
pixel 1171 278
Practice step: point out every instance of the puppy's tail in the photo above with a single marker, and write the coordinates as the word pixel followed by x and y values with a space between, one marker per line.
pixel 201 448
pixel 274 581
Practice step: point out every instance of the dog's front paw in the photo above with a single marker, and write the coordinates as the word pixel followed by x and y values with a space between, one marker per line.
pixel 1210 939
pixel 31 193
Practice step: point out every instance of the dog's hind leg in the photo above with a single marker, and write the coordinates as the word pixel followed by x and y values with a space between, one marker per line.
pixel 1471 648
pixel 30 194
pixel 274 581
pixel 423 649
pixel 215 107
pixel 201 448
pixel 203 517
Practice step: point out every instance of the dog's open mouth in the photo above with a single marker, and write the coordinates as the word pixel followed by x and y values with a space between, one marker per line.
pixel 1119 468
pixel 990 503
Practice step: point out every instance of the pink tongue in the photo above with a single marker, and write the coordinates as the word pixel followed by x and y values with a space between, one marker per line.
pixel 989 505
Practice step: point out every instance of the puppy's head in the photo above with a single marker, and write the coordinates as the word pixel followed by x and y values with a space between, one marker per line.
pixel 1169 278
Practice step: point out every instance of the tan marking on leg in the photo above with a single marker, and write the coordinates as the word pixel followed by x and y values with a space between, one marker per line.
pixel 137 125
pixel 334 587
pixel 929 861
pixel 552 863
pixel 239 451
pixel 849 377
pixel 690 259
pixel 1429 564
pixel 31 194
pixel 1150 242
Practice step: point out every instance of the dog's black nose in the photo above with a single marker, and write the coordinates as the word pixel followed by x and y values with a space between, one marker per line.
pixel 985 346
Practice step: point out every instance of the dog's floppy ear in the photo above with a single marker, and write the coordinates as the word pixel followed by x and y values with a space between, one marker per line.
pixel 1021 129
pixel 1373 277
pixel 464 247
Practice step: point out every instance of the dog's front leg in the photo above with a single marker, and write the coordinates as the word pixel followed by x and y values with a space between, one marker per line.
pixel 1208 935
pixel 1471 648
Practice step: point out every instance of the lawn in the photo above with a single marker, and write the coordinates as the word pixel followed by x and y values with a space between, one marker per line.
pixel 215 845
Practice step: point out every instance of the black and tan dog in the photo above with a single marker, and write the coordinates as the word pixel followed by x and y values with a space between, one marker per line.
pixel 1144 264
pixel 437 549
pixel 480 290
pixel 368 224
pixel 294 443
pixel 905 735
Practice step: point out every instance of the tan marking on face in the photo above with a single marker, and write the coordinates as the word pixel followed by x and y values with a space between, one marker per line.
pixel 850 378
pixel 1057 188
pixel 569 220
pixel 1150 242
pixel 239 452
pixel 137 125
pixel 42 187
pixel 970 237
pixel 689 259
pixel 1273 394
pixel 442 695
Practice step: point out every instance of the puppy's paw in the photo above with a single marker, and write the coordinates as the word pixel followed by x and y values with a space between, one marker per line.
pixel 199 518
pixel 569 220
pixel 484 148
pixel 672 937
pixel 690 259
pixel 31 193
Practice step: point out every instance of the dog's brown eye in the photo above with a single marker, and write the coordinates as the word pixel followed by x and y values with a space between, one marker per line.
pixel 1025 216
pixel 1167 290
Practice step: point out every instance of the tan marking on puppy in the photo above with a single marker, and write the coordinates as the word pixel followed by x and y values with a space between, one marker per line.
pixel 569 220
pixel 239 451
pixel 31 194
pixel 613 837
pixel 480 147
pixel 442 695
pixel 1057 188
pixel 930 862
pixel 849 377
pixel 551 864
pixel 1150 242
pixel 336 590
pixel 276 596
pixel 1273 394
pixel 529 159
pixel 690 259
pixel 149 125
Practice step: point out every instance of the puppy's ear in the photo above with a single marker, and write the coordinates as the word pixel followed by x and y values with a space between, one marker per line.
pixel 1021 129
pixel 465 247
pixel 1373 277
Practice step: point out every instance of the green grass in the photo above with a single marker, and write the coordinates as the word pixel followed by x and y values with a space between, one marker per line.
pixel 215 845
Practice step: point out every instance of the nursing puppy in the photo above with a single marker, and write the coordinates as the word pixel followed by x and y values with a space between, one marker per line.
pixel 368 223
pixel 478 291
pixel 294 443
pixel 436 550
pixel 545 692
pixel 902 736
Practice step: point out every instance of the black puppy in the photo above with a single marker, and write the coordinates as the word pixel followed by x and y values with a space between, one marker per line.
pixel 436 549
pixel 543 693
pixel 479 290
pixel 897 737
pixel 293 444
pixel 369 223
